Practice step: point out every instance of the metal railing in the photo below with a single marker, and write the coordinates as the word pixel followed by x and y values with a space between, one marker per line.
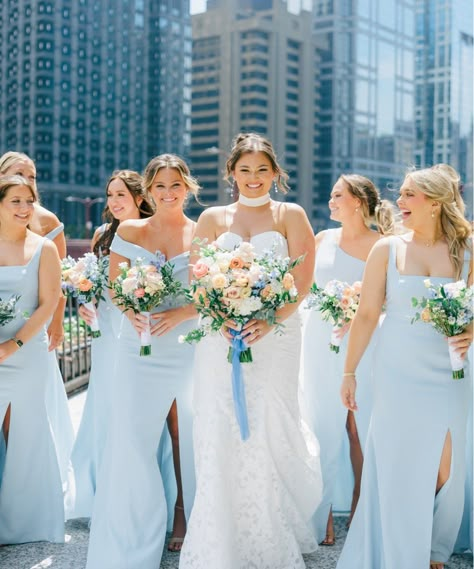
pixel 74 356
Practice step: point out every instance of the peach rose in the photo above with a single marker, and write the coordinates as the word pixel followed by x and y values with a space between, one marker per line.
pixel 425 315
pixel 232 292
pixel 85 285
pixel 266 291
pixel 236 263
pixel 139 293
pixel 200 270
pixel 288 281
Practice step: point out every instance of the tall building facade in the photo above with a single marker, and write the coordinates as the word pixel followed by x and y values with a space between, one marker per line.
pixel 444 86
pixel 88 86
pixel 366 110
pixel 254 69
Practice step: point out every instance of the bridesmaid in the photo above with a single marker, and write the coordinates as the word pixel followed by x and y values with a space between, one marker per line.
pixel 412 492
pixel 129 515
pixel 340 254
pixel 31 501
pixel 126 199
pixel 46 224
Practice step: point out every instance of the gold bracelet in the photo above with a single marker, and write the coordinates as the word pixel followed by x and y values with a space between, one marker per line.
pixel 349 374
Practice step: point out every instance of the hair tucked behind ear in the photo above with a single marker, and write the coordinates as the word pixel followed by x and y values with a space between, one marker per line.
pixel 374 210
pixel 441 183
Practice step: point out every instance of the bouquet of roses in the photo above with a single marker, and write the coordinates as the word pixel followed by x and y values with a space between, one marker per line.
pixel 7 309
pixel 239 285
pixel 85 280
pixel 338 302
pixel 143 287
pixel 449 309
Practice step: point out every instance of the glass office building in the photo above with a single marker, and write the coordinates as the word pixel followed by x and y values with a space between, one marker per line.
pixel 366 110
pixel 444 86
pixel 88 86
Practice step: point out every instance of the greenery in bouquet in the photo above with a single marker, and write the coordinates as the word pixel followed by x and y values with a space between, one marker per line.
pixel 144 286
pixel 239 285
pixel 8 309
pixel 338 302
pixel 449 309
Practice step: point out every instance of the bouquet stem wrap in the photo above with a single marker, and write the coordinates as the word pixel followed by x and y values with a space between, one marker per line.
pixel 457 362
pixel 95 328
pixel 238 387
pixel 145 337
pixel 335 341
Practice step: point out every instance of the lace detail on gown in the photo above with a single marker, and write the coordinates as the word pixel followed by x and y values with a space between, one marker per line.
pixel 254 498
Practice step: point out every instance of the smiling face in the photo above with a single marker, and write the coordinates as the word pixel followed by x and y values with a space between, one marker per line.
pixel 253 174
pixel 169 189
pixel 416 208
pixel 342 204
pixel 120 201
pixel 17 206
pixel 24 168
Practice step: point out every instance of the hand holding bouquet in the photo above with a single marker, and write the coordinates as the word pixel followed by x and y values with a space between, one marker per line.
pixel 7 309
pixel 239 285
pixel 338 302
pixel 448 308
pixel 85 280
pixel 143 287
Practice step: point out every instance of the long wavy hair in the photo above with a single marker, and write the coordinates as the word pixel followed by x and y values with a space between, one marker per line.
pixel 176 163
pixel 244 143
pixel 134 184
pixel 441 183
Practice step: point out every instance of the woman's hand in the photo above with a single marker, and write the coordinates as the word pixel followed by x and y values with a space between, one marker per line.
pixel 348 391
pixel 138 321
pixel 462 342
pixel 7 348
pixel 87 315
pixel 55 335
pixel 163 322
pixel 342 331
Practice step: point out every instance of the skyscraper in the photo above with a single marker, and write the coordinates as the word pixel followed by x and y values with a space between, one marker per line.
pixel 254 69
pixel 366 111
pixel 444 86
pixel 88 86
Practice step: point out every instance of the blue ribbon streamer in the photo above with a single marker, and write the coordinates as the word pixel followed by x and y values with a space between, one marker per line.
pixel 238 387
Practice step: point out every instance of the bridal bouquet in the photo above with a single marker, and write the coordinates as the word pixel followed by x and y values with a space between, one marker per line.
pixel 239 285
pixel 142 288
pixel 7 309
pixel 449 309
pixel 85 280
pixel 338 302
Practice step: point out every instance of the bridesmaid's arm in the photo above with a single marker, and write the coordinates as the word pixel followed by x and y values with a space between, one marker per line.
pixel 56 329
pixel 462 342
pixel 372 298
pixel 49 288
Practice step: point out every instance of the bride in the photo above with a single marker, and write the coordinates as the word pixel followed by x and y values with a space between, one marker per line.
pixel 254 498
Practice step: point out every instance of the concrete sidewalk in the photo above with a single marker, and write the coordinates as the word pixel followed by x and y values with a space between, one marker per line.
pixel 73 553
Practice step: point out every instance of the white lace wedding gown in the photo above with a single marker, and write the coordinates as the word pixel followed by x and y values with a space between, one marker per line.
pixel 254 498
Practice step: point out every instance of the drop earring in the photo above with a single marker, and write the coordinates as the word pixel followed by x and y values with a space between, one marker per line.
pixel 432 214
pixel 233 189
pixel 275 188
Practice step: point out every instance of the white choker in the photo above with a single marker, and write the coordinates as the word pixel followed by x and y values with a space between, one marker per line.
pixel 254 202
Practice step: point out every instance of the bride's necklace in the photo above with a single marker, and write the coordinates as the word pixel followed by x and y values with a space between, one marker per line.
pixel 430 242
pixel 254 202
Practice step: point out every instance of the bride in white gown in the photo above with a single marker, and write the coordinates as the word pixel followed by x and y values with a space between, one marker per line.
pixel 254 498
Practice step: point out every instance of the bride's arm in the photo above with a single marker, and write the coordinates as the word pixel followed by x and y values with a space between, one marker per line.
pixel 301 242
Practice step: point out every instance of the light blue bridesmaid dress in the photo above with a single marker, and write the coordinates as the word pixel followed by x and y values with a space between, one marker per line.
pixel 320 386
pixel 129 515
pixel 57 407
pixel 31 498
pixel 91 436
pixel 399 521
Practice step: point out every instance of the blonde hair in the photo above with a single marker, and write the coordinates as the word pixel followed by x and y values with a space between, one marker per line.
pixel 7 182
pixel 174 162
pixel 375 211
pixel 245 143
pixel 440 183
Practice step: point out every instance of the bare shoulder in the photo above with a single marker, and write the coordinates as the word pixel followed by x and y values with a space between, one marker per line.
pixel 381 249
pixel 130 229
pixel 211 221
pixel 46 219
pixel 49 252
pixel 319 237
pixel 292 211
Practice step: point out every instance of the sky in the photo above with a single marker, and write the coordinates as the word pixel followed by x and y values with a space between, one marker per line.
pixel 197 6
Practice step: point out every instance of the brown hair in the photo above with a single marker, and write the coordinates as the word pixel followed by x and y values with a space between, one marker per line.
pixel 374 210
pixel 244 143
pixel 7 182
pixel 134 184
pixel 176 163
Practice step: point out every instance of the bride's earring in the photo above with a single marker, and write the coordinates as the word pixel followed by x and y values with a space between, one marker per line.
pixel 233 189
pixel 275 188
